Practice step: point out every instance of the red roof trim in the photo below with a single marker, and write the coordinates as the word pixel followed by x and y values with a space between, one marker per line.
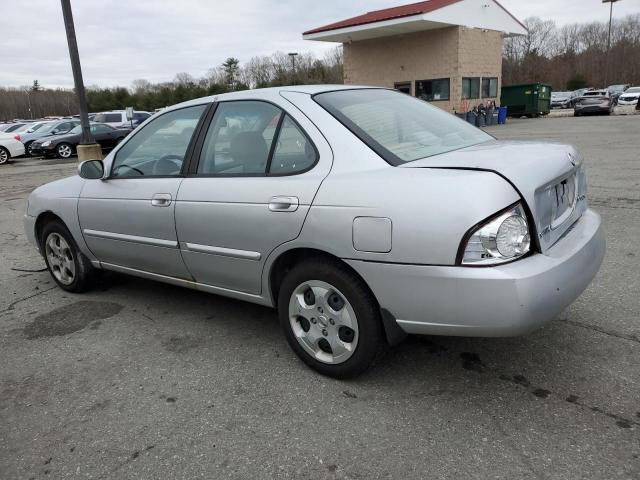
pixel 386 14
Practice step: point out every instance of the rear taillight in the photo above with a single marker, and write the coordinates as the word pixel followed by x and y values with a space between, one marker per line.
pixel 17 137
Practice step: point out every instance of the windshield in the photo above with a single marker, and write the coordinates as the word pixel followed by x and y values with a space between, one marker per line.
pixel 47 127
pixel 616 88
pixel 36 126
pixel 22 128
pixel 561 94
pixel 633 90
pixel 398 127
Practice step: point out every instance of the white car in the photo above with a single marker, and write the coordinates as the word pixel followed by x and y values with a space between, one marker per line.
pixel 630 96
pixel 9 148
pixel 118 118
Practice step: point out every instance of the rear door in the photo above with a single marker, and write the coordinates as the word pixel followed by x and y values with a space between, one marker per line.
pixel 128 219
pixel 248 191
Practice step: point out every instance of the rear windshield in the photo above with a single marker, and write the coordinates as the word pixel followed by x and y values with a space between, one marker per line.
pixel 398 127
pixel 107 117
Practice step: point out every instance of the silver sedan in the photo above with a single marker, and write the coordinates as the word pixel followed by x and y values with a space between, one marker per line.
pixel 361 214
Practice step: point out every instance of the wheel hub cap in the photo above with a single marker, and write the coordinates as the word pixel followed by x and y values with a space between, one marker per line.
pixel 60 259
pixel 328 334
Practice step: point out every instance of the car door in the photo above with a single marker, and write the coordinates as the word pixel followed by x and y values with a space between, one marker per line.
pixel 104 135
pixel 249 189
pixel 128 218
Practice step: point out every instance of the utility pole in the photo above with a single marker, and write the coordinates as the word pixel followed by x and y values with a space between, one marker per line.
pixel 293 56
pixel 611 2
pixel 88 149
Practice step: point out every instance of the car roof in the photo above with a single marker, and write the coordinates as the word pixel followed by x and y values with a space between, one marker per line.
pixel 266 93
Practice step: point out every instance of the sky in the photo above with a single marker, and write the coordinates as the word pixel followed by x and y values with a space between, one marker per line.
pixel 120 41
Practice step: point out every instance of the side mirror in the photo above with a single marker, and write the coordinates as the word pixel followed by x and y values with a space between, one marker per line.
pixel 91 170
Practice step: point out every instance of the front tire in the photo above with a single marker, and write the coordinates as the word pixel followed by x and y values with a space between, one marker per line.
pixel 68 266
pixel 330 318
pixel 5 156
pixel 27 149
pixel 64 150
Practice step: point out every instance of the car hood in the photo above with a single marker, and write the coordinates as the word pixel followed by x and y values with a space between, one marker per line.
pixel 532 168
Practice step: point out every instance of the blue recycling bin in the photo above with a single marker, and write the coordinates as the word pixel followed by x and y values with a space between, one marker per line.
pixel 502 115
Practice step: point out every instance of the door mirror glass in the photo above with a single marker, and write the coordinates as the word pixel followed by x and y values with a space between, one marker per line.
pixel 91 170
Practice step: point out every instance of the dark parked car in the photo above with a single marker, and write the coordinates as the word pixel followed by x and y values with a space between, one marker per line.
pixel 594 101
pixel 616 90
pixel 64 146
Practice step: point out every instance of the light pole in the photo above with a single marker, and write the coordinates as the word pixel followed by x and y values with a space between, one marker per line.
pixel 611 2
pixel 293 56
pixel 87 149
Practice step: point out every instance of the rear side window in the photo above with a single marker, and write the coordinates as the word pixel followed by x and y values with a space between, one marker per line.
pixel 253 138
pixel 239 139
pixel 159 148
pixel 293 152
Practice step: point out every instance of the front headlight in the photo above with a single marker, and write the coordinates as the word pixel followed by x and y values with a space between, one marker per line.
pixel 503 238
pixel 47 143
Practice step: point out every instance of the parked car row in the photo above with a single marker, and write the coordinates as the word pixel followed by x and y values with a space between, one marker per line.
pixel 60 136
pixel 622 94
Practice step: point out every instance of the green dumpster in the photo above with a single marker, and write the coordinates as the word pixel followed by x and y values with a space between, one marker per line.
pixel 530 99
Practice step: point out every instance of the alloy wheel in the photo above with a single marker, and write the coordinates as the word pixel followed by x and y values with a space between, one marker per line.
pixel 4 156
pixel 60 258
pixel 323 322
pixel 64 150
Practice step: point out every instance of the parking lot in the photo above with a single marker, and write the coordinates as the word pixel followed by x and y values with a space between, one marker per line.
pixel 137 379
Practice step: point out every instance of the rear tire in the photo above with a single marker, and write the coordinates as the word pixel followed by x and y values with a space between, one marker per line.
pixel 68 266
pixel 317 326
pixel 27 149
pixel 5 156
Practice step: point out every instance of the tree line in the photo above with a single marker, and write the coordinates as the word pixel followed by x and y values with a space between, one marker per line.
pixel 574 56
pixel 568 57
pixel 259 72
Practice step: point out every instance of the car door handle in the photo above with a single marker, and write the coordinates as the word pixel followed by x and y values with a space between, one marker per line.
pixel 284 204
pixel 161 200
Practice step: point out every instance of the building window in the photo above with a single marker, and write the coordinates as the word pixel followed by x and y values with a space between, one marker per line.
pixel 471 87
pixel 404 87
pixel 433 90
pixel 489 87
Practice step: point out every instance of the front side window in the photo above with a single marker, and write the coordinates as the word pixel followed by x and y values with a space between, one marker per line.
pixel 490 88
pixel 471 88
pixel 159 148
pixel 433 90
pixel 398 127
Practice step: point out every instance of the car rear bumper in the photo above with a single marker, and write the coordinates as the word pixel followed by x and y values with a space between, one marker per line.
pixel 592 108
pixel 500 301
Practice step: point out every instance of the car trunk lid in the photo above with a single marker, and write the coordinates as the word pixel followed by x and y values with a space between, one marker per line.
pixel 549 177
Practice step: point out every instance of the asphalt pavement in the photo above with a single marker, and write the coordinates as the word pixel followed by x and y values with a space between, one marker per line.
pixel 137 379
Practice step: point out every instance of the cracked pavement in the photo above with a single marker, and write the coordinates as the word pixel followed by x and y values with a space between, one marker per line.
pixel 137 379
